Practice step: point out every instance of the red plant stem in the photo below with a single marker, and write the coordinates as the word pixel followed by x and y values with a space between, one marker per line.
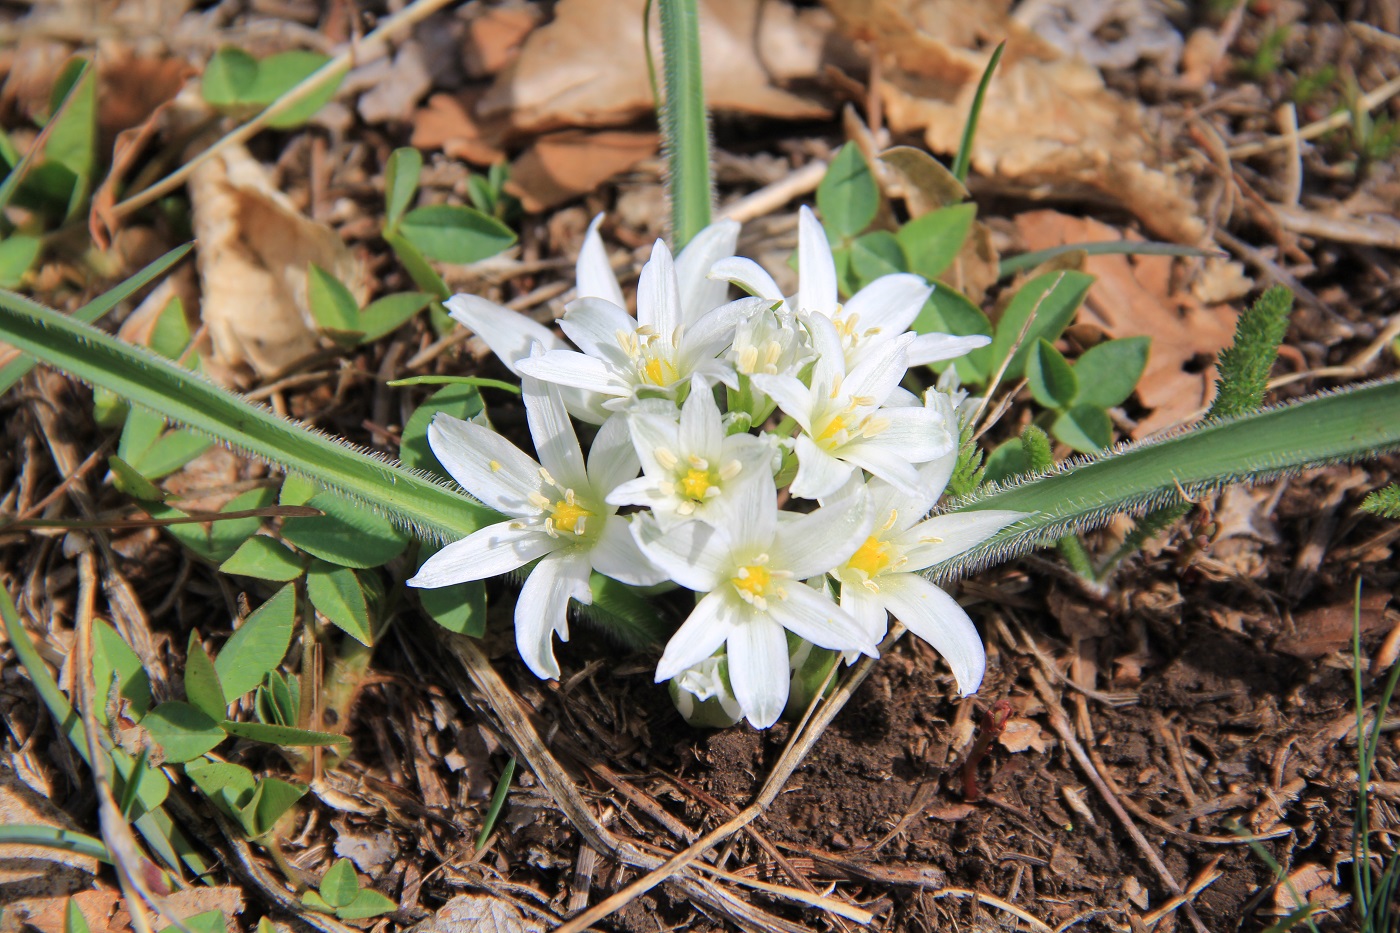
pixel 993 722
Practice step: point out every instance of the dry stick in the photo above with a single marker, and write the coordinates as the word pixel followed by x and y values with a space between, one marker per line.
pixel 996 902
pixel 373 46
pixel 1015 347
pixel 769 198
pixel 801 743
pixel 1337 120
pixel 1205 879
pixel 515 723
pixel 1060 723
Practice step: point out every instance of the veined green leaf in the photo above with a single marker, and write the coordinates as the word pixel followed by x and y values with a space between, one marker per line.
pixel 1344 426
pixel 415 500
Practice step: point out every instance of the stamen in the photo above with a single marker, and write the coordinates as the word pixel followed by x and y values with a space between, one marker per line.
pixel 666 458
pixel 494 465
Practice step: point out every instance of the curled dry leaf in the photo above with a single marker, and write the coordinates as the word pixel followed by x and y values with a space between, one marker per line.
pixel 1134 296
pixel 254 251
pixel 564 165
pixel 1048 121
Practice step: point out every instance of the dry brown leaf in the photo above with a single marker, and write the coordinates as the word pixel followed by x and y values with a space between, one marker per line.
pixel 1048 121
pixel 1021 734
pixel 131 87
pixel 447 123
pixel 255 248
pixel 478 913
pixel 391 89
pixel 587 69
pixel 1318 632
pixel 494 37
pixel 1132 296
pixel 105 911
pixel 36 871
pixel 1312 884
pixel 564 165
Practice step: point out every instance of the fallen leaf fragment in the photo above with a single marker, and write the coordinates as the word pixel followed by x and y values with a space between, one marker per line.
pixel 255 248
pixel 494 37
pixel 1132 296
pixel 478 913
pixel 36 871
pixel 447 123
pixel 564 165
pixel 1318 632
pixel 1312 885
pixel 1021 734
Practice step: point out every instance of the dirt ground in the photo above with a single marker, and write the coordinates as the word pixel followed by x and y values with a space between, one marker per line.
pixel 1150 737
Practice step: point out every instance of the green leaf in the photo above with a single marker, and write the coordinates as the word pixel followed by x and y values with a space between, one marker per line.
pixel 210 921
pixel 280 73
pixel 1110 371
pixel 1053 383
pixel 264 558
pixel 1049 302
pixel 128 480
pixel 336 594
pixel 17 254
pixel 459 608
pixel 454 233
pixel 417 266
pixel 386 315
pixel 259 644
pixel 948 311
pixel 113 658
pixel 202 687
pixel 171 334
pixel 272 799
pixel 847 197
pixel 332 306
pixel 339 885
pixel 1245 365
pixel 1008 460
pixel 1384 502
pixel 459 401
pixel 366 903
pixel 222 781
pixel 932 241
pixel 73 919
pixel 279 700
pixel 316 902
pixel 1086 428
pixel 875 254
pixel 181 730
pixel 217 541
pixel 963 160
pixel 928 185
pixel 170 452
pixel 1345 426
pixel 229 78
pixel 72 141
pixel 401 174
pixel 281 735
pixel 349 534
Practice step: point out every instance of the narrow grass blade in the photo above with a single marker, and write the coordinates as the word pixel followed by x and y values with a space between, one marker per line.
pixel 685 128
pixel 478 381
pixel 964 158
pixel 15 370
pixel 498 800
pixel 418 501
pixel 61 840
pixel 1011 266
pixel 1344 426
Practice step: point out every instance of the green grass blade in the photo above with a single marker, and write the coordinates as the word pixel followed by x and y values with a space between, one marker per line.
pixel 416 500
pixel 1011 266
pixel 964 157
pixel 685 129
pixel 60 840
pixel 15 370
pixel 498 800
pixel 1343 426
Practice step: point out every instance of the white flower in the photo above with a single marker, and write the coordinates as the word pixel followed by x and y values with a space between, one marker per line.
pixel 843 424
pixel 883 573
pixel 689 466
pixel 705 681
pixel 751 569
pixel 880 312
pixel 668 342
pixel 557 514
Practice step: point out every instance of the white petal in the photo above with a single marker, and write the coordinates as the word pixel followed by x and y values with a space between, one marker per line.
pixel 543 608
pixel 508 333
pixel 867 609
pixel 694 554
pixel 615 554
pixel 570 368
pixel 658 295
pixel 945 536
pixel 699 637
pixel 812 615
pixel 933 348
pixel 816 270
pixel 750 513
pixel 818 472
pixel 593 272
pixel 593 325
pixel 790 394
pixel 486 552
pixel 749 276
pixel 653 432
pixel 891 303
pixel 758 670
pixel 640 491
pixel 830 367
pixel 556 445
pixel 818 541
pixel 886 461
pixel 612 460
pixel 877 375
pixel 937 618
pixel 920 434
pixel 699 293
pixel 714 331
pixel 701 433
pixel 485 464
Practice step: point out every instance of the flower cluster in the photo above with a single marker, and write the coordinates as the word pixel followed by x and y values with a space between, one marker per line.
pixel 758 452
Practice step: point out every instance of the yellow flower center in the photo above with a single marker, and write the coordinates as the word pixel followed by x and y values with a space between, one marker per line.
pixel 871 558
pixel 659 371
pixel 569 516
pixel 833 427
pixel 695 484
pixel 752 582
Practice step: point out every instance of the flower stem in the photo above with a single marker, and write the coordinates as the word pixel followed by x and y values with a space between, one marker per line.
pixel 685 126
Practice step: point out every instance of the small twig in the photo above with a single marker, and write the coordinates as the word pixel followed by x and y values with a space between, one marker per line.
pixel 996 902
pixel 770 198
pixel 1342 118
pixel 1205 879
pixel 1016 347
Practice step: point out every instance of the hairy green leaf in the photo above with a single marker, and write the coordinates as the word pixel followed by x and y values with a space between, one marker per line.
pixel 1245 365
